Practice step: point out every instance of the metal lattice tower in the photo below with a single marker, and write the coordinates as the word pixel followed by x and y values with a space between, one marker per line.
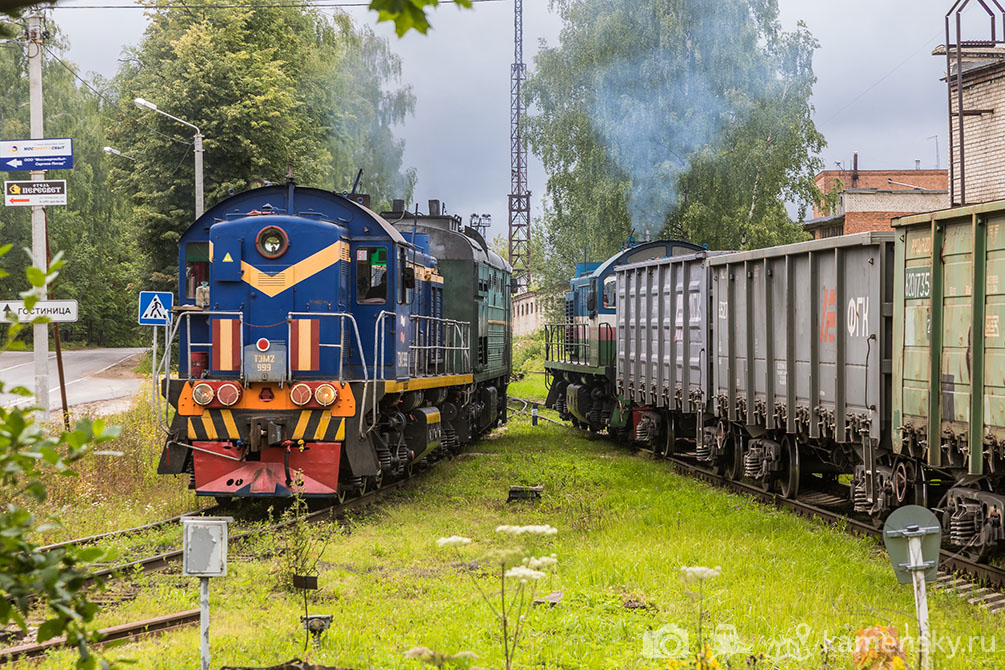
pixel 519 197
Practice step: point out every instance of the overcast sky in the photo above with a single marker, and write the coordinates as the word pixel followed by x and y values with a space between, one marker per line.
pixel 877 93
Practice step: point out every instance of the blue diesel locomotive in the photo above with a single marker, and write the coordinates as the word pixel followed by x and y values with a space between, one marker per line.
pixel 322 348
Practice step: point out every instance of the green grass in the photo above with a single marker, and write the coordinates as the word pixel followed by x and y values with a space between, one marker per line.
pixel 626 526
pixel 531 387
pixel 112 492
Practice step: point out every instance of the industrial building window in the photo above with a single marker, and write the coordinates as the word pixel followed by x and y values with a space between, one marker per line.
pixel 196 266
pixel 371 275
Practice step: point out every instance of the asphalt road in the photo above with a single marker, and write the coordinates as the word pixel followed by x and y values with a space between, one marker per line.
pixel 85 371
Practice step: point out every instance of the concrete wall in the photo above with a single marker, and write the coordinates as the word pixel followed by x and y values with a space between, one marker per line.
pixel 528 314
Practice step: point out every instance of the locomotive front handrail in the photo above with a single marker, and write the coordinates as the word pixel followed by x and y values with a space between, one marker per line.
pixel 342 317
pixel 567 343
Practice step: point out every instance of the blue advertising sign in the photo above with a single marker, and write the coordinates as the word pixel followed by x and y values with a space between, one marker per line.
pixel 36 154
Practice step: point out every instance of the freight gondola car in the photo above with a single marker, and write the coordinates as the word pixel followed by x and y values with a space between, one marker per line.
pixel 811 365
pixel 321 349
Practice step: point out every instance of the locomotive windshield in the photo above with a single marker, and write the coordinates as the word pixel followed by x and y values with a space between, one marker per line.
pixel 371 275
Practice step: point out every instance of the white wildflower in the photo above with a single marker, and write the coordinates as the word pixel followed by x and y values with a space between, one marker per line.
pixel 698 573
pixel 523 574
pixel 452 541
pixel 528 530
pixel 543 562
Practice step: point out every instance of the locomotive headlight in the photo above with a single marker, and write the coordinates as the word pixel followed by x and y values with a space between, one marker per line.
pixel 228 394
pixel 272 242
pixel 325 394
pixel 301 394
pixel 203 394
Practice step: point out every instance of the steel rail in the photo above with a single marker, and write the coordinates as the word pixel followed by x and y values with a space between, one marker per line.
pixel 948 559
pixel 128 631
pixel 527 403
pixel 80 541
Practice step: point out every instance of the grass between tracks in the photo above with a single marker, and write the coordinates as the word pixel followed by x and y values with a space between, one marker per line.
pixel 626 526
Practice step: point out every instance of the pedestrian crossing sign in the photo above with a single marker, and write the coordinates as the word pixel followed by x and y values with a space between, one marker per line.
pixel 155 308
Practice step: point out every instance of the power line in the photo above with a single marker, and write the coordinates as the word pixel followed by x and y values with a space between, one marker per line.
pixel 106 99
pixel 237 5
pixel 881 79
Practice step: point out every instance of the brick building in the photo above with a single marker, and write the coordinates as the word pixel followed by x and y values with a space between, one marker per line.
pixel 982 73
pixel 869 199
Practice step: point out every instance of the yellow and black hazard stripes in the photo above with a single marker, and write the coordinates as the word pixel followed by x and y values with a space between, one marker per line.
pixel 309 425
pixel 214 424
pixel 318 426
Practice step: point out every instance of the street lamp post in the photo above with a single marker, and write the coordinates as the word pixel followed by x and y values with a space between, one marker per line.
pixel 197 143
pixel 115 152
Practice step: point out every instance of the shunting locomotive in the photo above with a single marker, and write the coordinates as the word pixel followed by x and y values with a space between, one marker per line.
pixel 323 347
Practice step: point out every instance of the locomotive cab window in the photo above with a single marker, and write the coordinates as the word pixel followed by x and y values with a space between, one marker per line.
pixel 196 266
pixel 371 275
pixel 610 291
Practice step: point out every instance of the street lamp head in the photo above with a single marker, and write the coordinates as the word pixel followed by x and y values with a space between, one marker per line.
pixel 140 102
pixel 109 150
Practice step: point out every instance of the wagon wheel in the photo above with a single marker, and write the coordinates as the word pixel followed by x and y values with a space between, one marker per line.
pixel 669 438
pixel 724 449
pixel 734 458
pixel 789 477
pixel 909 485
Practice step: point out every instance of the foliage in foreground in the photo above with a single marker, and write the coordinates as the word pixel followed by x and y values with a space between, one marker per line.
pixel 57 577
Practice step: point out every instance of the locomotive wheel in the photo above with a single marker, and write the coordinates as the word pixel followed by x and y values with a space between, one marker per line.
pixel 789 478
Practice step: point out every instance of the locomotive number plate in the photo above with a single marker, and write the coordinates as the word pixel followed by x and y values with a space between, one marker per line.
pixel 265 366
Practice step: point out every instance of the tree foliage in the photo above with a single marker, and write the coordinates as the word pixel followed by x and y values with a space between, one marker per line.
pixel 270 88
pixel 103 271
pixel 676 118
pixel 408 14
pixel 56 578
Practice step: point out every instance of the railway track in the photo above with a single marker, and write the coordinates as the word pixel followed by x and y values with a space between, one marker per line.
pixel 129 631
pixel 528 403
pixel 91 539
pixel 979 583
pixel 164 560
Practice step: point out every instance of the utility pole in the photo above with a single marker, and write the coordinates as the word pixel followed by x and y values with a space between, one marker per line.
pixel 38 233
pixel 199 201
